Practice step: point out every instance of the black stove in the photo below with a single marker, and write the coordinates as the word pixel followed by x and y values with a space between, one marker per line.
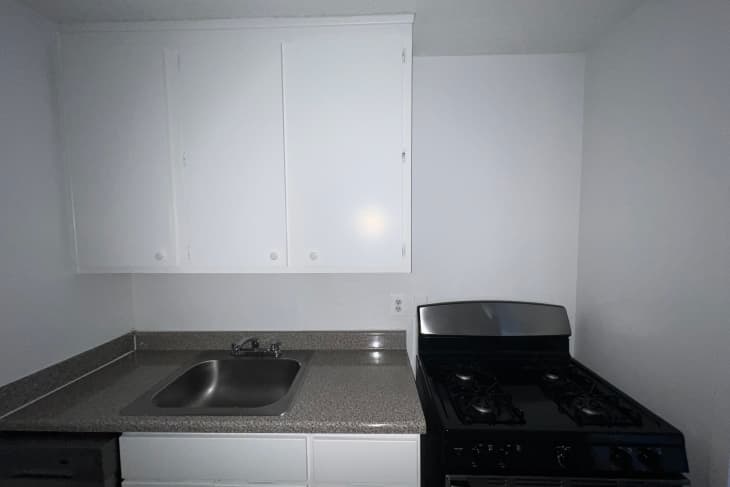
pixel 506 405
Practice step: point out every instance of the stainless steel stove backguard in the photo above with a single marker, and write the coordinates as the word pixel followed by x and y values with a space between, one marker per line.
pixel 493 318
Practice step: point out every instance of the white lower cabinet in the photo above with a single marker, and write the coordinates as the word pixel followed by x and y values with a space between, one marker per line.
pixel 179 484
pixel 229 458
pixel 127 483
pixel 362 461
pixel 233 460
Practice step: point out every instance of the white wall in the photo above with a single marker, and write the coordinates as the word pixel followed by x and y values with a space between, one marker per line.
pixel 46 312
pixel 496 169
pixel 654 268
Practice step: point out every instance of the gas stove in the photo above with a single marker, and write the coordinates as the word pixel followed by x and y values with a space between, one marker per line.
pixel 506 405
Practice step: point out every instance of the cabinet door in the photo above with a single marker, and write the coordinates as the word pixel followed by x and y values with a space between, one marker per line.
pixel 347 131
pixel 127 483
pixel 211 457
pixel 116 126
pixel 233 152
pixel 363 461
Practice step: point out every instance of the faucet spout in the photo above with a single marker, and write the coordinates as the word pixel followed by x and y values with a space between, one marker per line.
pixel 250 344
pixel 249 347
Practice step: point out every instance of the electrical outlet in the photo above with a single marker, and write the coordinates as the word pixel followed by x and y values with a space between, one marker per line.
pixel 398 305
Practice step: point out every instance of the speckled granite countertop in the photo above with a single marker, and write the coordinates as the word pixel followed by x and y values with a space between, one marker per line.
pixel 348 391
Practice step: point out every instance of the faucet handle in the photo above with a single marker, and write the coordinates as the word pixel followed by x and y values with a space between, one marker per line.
pixel 275 348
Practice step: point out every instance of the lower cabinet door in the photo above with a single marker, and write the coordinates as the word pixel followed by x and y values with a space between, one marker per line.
pixel 359 462
pixel 211 459
pixel 127 483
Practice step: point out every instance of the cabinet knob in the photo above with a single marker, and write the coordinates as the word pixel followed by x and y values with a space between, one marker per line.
pixel 274 256
pixel 160 255
pixel 313 255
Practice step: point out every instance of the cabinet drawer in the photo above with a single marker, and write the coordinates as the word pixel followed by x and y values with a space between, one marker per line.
pixel 365 461
pixel 213 458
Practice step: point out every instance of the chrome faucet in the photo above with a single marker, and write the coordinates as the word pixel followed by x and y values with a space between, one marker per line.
pixel 240 347
pixel 250 347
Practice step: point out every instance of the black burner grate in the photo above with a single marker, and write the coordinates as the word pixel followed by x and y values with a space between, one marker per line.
pixel 584 400
pixel 477 396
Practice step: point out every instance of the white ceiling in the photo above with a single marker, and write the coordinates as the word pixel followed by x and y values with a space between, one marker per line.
pixel 443 27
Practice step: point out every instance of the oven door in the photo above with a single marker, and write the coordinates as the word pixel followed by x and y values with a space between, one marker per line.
pixel 530 481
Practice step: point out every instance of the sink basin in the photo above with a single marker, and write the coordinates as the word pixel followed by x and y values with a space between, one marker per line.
pixel 217 384
pixel 231 383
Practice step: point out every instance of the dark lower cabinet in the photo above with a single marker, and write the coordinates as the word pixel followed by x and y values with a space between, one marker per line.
pixel 59 460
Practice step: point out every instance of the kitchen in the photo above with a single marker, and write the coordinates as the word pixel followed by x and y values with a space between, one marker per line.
pixel 574 153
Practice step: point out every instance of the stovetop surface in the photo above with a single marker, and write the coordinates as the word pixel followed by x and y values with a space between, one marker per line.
pixel 533 394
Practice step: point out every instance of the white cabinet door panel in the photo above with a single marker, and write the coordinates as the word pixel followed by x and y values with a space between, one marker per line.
pixel 239 150
pixel 127 483
pixel 233 148
pixel 213 458
pixel 203 484
pixel 365 462
pixel 116 125
pixel 344 99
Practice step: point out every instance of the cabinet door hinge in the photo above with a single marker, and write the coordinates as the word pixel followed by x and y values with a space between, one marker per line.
pixel 403 55
pixel 403 250
pixel 189 259
pixel 184 159
pixel 403 157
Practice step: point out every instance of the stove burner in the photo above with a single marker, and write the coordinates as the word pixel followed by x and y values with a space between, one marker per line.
pixel 590 405
pixel 481 406
pixel 489 407
pixel 483 410
pixel 585 401
pixel 477 396
pixel 590 412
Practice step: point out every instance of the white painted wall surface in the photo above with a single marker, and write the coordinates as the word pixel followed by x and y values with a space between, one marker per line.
pixel 47 313
pixel 654 268
pixel 496 169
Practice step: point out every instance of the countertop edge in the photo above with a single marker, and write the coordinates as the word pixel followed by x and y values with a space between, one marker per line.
pixel 324 428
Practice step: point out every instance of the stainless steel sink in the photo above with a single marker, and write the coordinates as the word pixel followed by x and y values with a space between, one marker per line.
pixel 220 385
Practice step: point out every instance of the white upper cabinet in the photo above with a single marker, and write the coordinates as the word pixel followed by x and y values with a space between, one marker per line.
pixel 347 126
pixel 239 146
pixel 233 191
pixel 115 120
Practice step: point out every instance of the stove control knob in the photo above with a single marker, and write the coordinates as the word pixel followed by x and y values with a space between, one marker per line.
pixel 650 458
pixel 499 456
pixel 621 458
pixel 563 456
pixel 476 455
